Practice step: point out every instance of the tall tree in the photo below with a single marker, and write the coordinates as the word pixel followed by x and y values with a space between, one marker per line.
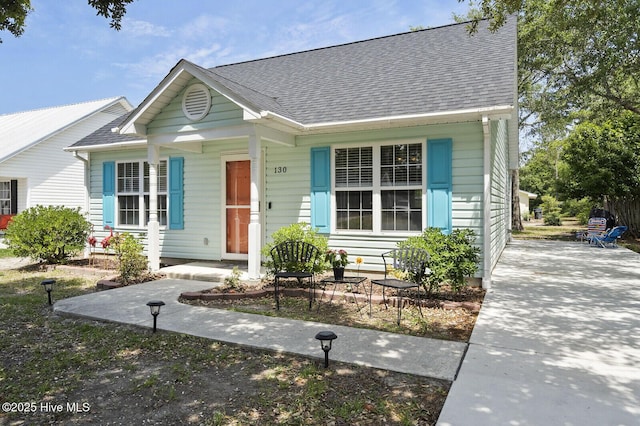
pixel 574 54
pixel 13 13
pixel 603 161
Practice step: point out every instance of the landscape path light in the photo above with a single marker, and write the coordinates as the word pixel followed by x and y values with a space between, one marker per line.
pixel 155 305
pixel 326 339
pixel 48 286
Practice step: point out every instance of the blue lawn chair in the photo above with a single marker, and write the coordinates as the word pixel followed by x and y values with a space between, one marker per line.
pixel 610 238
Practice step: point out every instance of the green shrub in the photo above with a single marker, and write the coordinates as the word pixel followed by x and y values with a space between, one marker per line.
pixel 550 210
pixel 451 257
pixel 552 219
pixel 48 234
pixel 579 209
pixel 132 264
pixel 298 232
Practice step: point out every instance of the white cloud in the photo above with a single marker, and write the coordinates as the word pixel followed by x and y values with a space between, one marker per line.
pixel 137 28
pixel 204 26
pixel 157 66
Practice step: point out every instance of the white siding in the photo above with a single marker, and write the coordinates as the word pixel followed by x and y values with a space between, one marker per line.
pixel 48 175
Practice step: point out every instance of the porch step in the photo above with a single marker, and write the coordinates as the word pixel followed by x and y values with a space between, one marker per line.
pixel 203 271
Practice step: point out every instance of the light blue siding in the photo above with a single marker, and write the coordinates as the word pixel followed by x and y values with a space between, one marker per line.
pixel 171 119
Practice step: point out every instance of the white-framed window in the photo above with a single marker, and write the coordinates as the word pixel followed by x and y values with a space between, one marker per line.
pixel 5 197
pixel 379 188
pixel 132 193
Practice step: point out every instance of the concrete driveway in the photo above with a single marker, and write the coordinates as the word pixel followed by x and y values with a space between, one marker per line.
pixel 557 341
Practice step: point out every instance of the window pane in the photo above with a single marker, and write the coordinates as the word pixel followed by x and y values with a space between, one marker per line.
pixel 367 200
pixel 401 176
pixel 128 177
pixel 402 200
pixel 354 220
pixel 354 210
pixel 387 221
pixel 128 208
pixel 342 220
pixel 354 200
pixel 415 199
pixel 415 223
pixel 341 178
pixel 386 156
pixel 402 221
pixel 388 200
pixel 367 219
pixel 353 167
pixel 386 176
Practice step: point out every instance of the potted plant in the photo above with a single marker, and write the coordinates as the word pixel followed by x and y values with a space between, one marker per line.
pixel 338 259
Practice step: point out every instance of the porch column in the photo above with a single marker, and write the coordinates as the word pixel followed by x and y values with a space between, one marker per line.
pixel 153 227
pixel 255 239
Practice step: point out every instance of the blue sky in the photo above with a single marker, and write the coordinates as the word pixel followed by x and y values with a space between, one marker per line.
pixel 68 54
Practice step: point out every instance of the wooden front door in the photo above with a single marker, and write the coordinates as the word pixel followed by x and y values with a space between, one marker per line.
pixel 237 208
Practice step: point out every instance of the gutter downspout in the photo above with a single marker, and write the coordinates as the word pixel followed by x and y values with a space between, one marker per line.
pixel 486 132
pixel 87 185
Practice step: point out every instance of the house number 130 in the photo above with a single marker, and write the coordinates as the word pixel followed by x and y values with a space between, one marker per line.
pixel 280 169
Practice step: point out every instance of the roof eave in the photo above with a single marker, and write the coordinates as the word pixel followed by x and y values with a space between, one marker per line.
pixel 108 146
pixel 457 116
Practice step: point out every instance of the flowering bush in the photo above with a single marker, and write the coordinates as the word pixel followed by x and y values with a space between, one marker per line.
pixel 337 258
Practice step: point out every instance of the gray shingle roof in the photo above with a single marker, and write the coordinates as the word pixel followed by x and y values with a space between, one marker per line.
pixel 104 135
pixel 434 70
pixel 429 71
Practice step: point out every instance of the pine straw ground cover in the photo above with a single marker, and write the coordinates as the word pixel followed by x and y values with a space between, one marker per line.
pixel 443 315
pixel 57 370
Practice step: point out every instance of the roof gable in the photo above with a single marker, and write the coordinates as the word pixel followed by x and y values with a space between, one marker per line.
pixel 20 131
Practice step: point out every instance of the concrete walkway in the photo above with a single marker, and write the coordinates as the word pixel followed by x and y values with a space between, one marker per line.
pixel 557 341
pixel 406 354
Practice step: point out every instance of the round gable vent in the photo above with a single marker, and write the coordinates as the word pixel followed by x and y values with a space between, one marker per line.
pixel 196 102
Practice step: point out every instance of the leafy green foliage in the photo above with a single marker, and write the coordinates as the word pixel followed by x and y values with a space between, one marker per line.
pixel 50 234
pixel 14 13
pixel 132 264
pixel 603 160
pixel 452 257
pixel 298 232
pixel 550 210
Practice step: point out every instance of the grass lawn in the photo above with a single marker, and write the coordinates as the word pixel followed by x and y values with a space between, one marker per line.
pixel 535 229
pixel 57 370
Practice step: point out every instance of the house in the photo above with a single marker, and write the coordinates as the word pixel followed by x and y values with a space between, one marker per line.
pixel 34 169
pixel 524 202
pixel 370 142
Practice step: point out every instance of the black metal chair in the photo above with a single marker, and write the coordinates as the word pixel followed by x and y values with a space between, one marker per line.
pixel 294 259
pixel 409 261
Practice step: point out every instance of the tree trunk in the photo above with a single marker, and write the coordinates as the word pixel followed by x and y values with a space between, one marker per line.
pixel 516 218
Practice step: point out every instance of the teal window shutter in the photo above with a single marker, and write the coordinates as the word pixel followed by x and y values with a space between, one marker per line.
pixel 176 193
pixel 108 193
pixel 321 189
pixel 439 184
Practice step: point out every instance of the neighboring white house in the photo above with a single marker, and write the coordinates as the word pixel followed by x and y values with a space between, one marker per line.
pixel 34 168
pixel 370 142
pixel 524 202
